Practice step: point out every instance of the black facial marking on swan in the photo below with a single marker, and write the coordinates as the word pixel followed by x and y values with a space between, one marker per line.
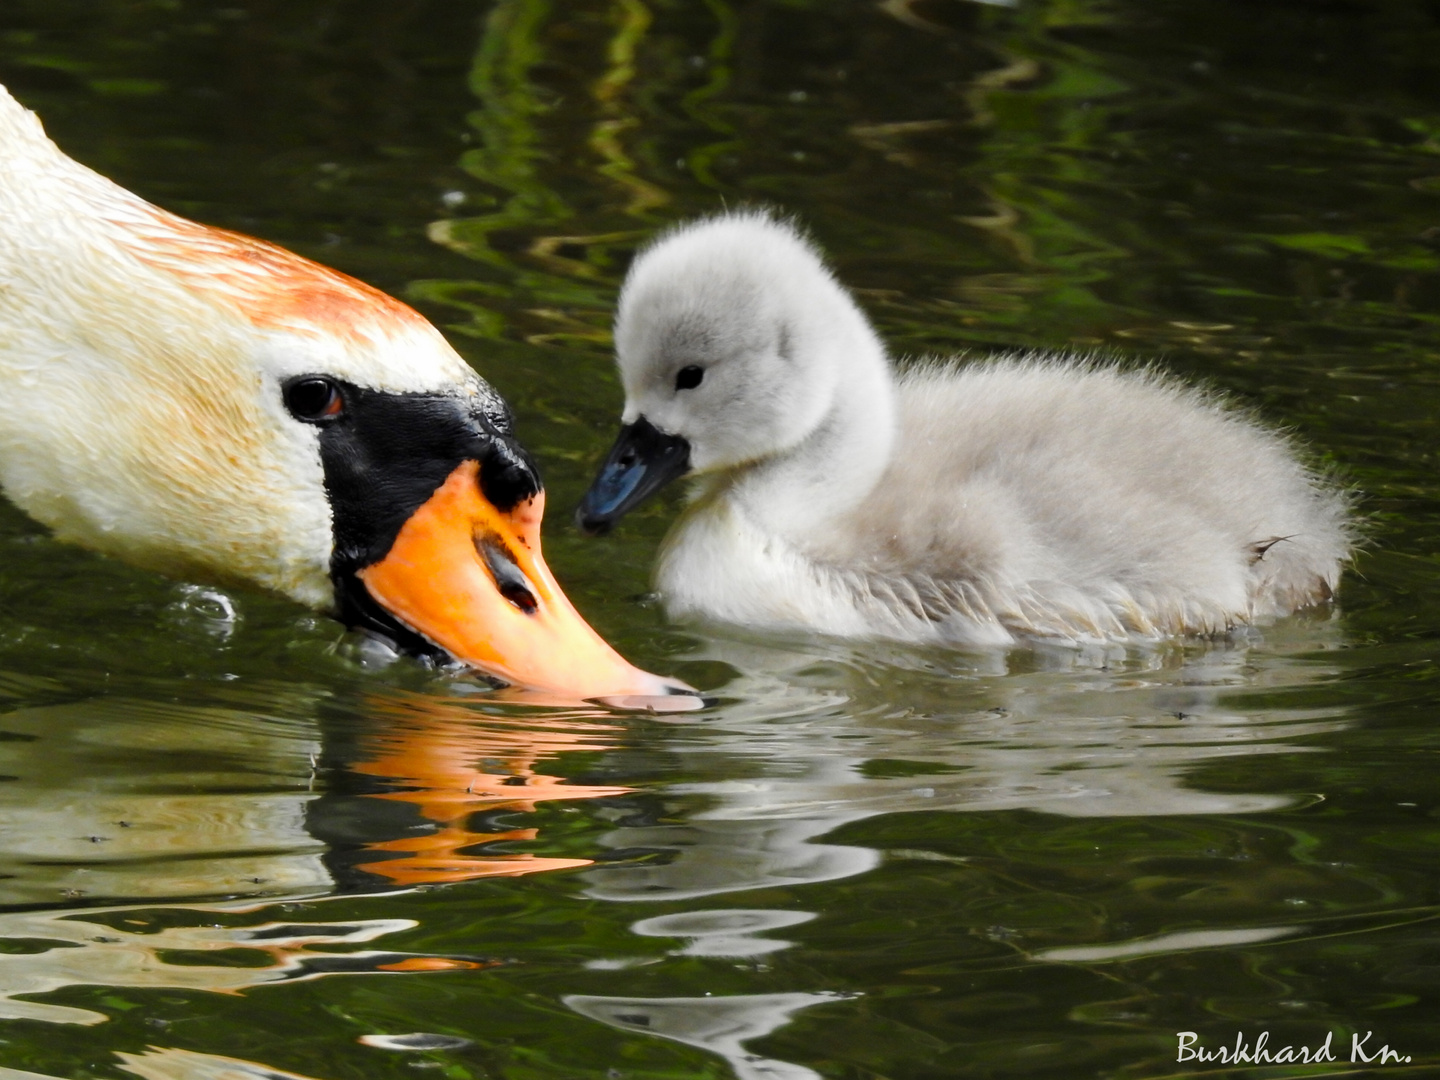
pixel 386 455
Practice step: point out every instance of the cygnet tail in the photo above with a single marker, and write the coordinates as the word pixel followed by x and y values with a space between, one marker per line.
pixel 1301 567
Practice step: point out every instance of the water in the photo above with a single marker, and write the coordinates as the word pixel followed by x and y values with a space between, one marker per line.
pixel 231 845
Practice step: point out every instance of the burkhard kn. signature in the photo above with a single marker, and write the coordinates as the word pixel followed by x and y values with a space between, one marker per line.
pixel 1260 1052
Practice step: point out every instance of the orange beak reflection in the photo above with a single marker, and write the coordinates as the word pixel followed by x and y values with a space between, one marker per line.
pixel 470 578
pixel 451 762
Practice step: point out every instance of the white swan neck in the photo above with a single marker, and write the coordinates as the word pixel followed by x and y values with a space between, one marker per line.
pixel 834 468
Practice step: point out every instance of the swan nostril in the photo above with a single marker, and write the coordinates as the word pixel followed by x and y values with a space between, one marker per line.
pixel 509 579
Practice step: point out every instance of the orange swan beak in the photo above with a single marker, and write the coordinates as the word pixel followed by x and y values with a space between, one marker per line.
pixel 470 578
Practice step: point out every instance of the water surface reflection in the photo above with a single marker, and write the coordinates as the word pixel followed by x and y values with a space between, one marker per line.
pixel 306 796
pixel 721 1025
pixel 818 740
pixel 114 797
pixel 178 949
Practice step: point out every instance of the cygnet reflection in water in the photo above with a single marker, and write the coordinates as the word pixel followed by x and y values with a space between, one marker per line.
pixel 821 736
pixel 1023 498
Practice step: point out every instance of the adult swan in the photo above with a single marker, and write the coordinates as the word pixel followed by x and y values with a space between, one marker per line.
pixel 209 405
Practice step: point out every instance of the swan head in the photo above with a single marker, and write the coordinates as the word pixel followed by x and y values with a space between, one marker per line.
pixel 731 339
pixel 213 406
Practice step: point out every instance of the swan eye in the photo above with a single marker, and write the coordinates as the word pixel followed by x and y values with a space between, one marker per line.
pixel 314 398
pixel 687 378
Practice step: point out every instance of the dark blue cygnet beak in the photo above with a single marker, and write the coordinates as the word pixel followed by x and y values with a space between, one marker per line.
pixel 643 460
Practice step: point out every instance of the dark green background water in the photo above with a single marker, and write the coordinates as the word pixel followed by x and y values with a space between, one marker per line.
pixel 230 849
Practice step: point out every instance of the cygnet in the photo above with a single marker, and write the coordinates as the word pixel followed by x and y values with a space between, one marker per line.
pixel 979 502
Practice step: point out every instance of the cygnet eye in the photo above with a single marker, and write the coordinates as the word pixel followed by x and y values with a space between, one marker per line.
pixel 689 377
pixel 314 398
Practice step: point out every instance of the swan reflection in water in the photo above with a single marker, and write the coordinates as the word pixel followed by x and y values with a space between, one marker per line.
pixel 436 760
pixel 243 799
pixel 183 802
pixel 137 799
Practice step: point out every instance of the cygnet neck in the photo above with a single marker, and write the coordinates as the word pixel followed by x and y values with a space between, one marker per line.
pixel 836 466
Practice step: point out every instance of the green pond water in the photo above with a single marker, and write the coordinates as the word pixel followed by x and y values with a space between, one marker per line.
pixel 231 846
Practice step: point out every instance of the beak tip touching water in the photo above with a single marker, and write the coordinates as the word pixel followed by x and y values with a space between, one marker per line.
pixel 672 696
pixel 654 705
